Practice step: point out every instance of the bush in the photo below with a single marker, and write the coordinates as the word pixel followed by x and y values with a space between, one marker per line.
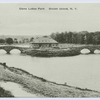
pixel 52 53
pixel 4 93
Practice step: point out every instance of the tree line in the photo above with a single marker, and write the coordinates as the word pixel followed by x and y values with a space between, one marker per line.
pixel 83 37
pixel 15 40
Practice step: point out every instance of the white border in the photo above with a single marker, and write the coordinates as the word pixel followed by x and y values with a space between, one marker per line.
pixel 49 1
pixel 50 98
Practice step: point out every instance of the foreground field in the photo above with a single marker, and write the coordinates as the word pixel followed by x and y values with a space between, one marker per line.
pixel 5 93
pixel 41 87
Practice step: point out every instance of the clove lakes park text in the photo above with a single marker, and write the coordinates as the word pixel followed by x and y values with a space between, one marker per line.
pixel 50 8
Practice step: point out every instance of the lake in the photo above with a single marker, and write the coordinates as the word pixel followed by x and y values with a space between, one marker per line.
pixel 81 71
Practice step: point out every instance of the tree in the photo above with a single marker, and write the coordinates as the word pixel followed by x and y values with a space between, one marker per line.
pixel 27 40
pixel 53 35
pixel 2 41
pixel 15 40
pixel 9 40
pixel 83 37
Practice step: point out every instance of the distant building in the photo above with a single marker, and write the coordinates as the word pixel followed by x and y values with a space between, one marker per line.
pixel 43 42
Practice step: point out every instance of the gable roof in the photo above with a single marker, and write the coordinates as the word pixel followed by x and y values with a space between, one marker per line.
pixel 44 40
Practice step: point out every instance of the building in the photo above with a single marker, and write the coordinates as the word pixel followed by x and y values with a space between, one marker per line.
pixel 44 42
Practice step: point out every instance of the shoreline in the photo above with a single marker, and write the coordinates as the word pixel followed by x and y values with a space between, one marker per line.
pixel 41 87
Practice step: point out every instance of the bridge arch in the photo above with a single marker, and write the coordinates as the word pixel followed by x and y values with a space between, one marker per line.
pixel 3 51
pixel 15 49
pixel 85 51
pixel 97 51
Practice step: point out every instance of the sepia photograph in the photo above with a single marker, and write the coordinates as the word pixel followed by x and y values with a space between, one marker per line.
pixel 49 50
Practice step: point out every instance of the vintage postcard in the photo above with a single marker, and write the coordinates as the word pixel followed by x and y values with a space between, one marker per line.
pixel 50 50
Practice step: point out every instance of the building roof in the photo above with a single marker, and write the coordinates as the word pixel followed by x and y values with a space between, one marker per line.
pixel 44 40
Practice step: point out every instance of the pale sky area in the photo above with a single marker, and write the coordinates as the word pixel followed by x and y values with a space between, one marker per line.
pixel 43 22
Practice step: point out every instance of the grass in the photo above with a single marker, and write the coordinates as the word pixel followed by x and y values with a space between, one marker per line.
pixel 5 93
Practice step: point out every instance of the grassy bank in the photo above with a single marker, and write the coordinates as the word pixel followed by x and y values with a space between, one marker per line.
pixel 52 53
pixel 5 93
pixel 40 86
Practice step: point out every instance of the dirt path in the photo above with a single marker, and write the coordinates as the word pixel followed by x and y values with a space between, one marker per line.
pixel 16 89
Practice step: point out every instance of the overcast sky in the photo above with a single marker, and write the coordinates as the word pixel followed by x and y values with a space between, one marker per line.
pixel 86 17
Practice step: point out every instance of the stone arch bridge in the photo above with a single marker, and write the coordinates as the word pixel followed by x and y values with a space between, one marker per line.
pixel 8 48
pixel 92 48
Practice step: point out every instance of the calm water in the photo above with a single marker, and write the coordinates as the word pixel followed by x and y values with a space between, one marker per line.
pixel 81 71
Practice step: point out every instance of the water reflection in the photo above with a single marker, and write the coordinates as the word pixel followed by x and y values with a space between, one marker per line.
pixel 15 51
pixel 2 51
pixel 97 51
pixel 85 51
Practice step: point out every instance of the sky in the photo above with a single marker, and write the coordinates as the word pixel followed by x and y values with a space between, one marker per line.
pixel 15 21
